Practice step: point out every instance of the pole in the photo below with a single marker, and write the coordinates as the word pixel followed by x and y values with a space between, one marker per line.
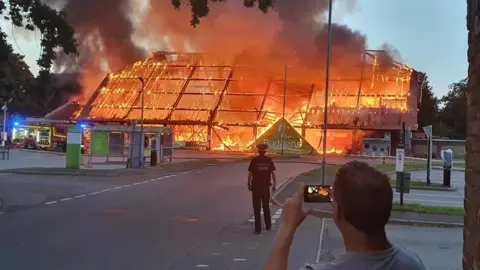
pixel 325 118
pixel 141 120
pixel 284 100
pixel 4 123
pixel 429 158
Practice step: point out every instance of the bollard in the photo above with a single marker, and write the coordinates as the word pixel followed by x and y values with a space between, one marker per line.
pixel 153 158
pixel 447 175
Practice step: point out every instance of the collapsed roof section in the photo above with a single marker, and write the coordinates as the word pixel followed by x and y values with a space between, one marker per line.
pixel 198 89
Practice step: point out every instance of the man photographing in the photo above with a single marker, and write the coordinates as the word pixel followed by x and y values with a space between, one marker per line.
pixel 261 172
pixel 362 202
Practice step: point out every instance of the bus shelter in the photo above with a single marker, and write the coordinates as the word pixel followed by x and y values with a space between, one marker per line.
pixel 124 143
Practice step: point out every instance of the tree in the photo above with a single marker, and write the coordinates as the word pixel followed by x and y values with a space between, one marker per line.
pixel 427 113
pixel 200 8
pixel 454 112
pixel 55 31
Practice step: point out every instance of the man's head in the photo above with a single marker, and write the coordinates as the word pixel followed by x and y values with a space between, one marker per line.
pixel 262 148
pixel 362 199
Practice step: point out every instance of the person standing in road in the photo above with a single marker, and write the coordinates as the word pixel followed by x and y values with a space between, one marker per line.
pixel 261 172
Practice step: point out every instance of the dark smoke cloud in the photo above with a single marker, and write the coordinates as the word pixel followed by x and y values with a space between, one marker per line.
pixel 287 35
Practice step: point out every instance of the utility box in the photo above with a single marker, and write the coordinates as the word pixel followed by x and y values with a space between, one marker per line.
pixel 406 182
pixel 74 148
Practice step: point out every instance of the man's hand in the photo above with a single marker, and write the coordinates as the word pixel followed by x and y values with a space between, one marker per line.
pixel 293 214
pixel 249 187
pixel 274 187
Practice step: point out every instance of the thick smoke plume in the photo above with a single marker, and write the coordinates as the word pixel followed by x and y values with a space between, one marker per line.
pixel 115 33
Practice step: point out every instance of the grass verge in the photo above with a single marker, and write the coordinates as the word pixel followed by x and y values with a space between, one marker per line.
pixel 331 170
pixel 419 183
pixel 428 209
pixel 408 166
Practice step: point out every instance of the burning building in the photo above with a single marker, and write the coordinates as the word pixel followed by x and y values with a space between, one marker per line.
pixel 226 104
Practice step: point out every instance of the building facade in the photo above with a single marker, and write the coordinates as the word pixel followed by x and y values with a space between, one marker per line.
pixel 471 240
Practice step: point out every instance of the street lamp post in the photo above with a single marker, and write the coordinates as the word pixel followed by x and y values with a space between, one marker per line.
pixel 4 108
pixel 327 81
pixel 284 102
pixel 141 120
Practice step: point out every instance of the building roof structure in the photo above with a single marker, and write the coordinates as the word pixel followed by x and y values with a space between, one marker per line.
pixel 196 89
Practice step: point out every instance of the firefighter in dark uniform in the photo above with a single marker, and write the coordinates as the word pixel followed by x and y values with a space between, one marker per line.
pixel 261 172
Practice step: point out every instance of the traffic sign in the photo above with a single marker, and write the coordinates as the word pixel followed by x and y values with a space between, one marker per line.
pixel 400 160
pixel 428 130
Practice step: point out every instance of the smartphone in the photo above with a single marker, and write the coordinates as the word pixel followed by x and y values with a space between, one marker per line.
pixel 317 194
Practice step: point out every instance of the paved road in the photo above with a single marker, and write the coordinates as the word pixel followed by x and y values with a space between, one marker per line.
pixel 438 198
pixel 130 222
pixel 439 248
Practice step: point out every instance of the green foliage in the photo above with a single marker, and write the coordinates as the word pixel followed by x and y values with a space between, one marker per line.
pixel 55 31
pixel 200 8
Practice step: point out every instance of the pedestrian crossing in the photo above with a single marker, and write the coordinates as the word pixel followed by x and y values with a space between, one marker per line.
pixel 276 215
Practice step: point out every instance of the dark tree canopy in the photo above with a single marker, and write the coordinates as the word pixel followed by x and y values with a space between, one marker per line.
pixel 453 115
pixel 200 8
pixel 54 28
pixel 427 113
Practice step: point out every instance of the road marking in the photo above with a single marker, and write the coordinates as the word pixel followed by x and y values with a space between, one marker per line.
pixel 52 202
pixel 275 216
pixel 105 190
pixel 203 265
pixel 239 260
pixel 320 241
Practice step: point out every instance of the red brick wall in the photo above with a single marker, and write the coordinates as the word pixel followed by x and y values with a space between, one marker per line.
pixel 471 236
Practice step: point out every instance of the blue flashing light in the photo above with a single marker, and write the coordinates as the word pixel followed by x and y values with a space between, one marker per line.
pixel 16 124
pixel 83 125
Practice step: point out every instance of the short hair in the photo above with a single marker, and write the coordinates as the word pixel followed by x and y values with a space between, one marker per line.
pixel 364 196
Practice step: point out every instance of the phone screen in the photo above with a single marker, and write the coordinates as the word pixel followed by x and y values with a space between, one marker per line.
pixel 317 194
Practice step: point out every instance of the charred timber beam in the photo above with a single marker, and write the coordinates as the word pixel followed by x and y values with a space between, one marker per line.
pixel 244 79
pixel 305 118
pixel 265 96
pixel 213 113
pixel 194 110
pixel 180 95
pixel 175 122
pixel 355 121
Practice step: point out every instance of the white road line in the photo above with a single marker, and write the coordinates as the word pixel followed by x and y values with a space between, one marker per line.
pixel 203 265
pixel 320 241
pixel 127 186
pixel 239 260
pixel 94 193
pixel 80 196
pixel 117 187
pixel 52 202
pixel 65 199
pixel 136 184
pixel 144 182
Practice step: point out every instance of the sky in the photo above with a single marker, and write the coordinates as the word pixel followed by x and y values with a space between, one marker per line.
pixel 430 35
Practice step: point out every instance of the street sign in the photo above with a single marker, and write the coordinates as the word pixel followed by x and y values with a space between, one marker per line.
pixel 282 135
pixel 400 160
pixel 428 130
